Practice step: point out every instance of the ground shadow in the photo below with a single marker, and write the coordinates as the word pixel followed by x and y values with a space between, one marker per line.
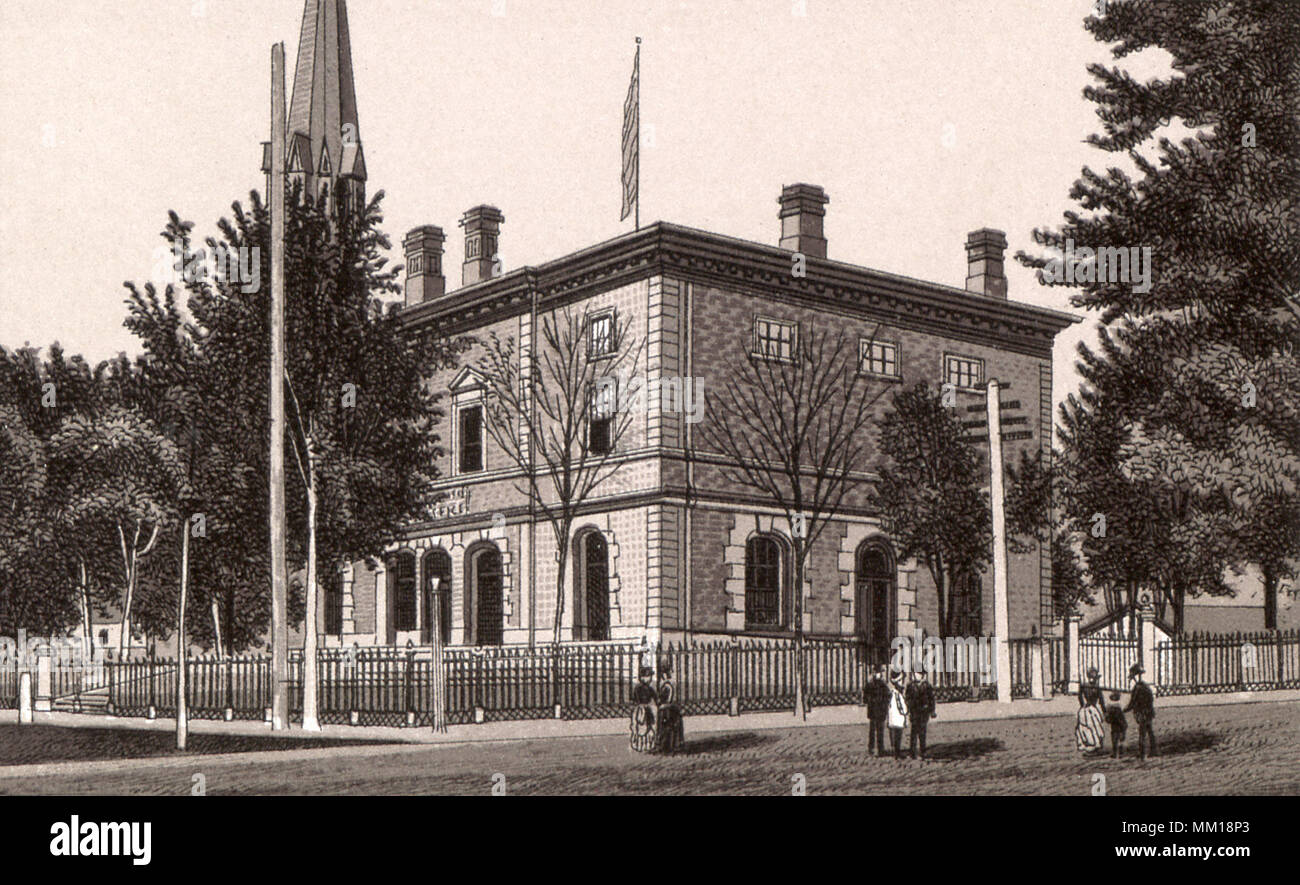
pixel 35 744
pixel 1175 744
pixel 954 751
pixel 717 743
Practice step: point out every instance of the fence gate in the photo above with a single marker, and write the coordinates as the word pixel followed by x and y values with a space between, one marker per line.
pixel 1112 656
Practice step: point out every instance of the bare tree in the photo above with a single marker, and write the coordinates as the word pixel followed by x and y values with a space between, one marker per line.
pixel 790 426
pixel 558 412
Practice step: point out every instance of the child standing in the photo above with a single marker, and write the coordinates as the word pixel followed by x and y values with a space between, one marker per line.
pixel 1118 725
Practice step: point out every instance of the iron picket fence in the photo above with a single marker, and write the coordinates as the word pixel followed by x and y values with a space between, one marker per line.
pixel 1207 663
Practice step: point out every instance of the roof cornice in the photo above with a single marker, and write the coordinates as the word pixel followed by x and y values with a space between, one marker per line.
pixel 741 265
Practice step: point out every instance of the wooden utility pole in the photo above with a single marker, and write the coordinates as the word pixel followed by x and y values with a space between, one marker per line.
pixel 182 658
pixel 1001 619
pixel 279 567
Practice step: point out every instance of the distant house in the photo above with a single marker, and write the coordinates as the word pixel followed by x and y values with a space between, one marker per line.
pixel 1242 612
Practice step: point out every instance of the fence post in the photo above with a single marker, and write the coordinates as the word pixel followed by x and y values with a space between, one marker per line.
pixel 410 684
pixel 1072 658
pixel 1281 679
pixel 230 688
pixel 152 712
pixel 1036 681
pixel 733 657
pixel 25 697
pixel 1147 649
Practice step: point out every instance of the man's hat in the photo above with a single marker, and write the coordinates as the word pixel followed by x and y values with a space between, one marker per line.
pixel 1135 670
pixel 1092 671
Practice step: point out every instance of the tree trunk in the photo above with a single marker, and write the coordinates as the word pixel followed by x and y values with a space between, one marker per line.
pixel 559 619
pixel 182 657
pixel 800 708
pixel 88 629
pixel 216 626
pixel 1270 597
pixel 309 717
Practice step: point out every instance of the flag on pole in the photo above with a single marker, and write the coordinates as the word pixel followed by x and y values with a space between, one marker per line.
pixel 632 142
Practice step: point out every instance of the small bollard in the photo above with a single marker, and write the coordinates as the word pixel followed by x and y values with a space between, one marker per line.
pixel 410 719
pixel 151 713
pixel 479 715
pixel 354 718
pixel 25 698
pixel 735 707
pixel 559 712
pixel 267 715
pixel 229 714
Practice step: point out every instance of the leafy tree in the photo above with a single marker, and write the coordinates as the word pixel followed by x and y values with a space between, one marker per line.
pixel 930 493
pixel 1198 363
pixel 117 475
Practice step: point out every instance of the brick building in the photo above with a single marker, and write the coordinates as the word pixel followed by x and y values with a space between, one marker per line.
pixel 667 548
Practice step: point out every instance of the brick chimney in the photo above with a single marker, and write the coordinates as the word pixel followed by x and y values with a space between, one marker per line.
pixel 984 250
pixel 482 229
pixel 424 277
pixel 802 211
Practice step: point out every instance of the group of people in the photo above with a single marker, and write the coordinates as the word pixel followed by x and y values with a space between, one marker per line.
pixel 1089 734
pixel 892 705
pixel 656 716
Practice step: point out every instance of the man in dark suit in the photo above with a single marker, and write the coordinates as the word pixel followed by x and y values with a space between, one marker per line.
pixel 920 708
pixel 1142 704
pixel 876 697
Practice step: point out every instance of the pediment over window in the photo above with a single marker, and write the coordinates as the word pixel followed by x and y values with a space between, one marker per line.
pixel 467 381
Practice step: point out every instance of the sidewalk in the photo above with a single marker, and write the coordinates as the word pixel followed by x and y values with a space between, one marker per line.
pixel 540 729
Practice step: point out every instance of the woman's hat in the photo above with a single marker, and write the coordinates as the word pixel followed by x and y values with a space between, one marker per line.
pixel 1092 671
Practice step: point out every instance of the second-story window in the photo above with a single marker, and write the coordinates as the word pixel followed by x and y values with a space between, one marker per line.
pixel 774 339
pixel 471 439
pixel 600 335
pixel 878 358
pixel 963 371
pixel 600 423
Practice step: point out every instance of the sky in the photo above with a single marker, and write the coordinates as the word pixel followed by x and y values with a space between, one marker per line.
pixel 922 120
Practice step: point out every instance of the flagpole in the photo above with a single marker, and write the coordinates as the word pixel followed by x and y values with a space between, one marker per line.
pixel 638 133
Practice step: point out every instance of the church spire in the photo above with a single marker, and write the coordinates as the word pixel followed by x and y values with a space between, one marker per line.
pixel 324 137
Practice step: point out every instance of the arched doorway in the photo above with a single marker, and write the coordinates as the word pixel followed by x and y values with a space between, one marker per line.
pixel 488 581
pixel 591 587
pixel 401 594
pixel 876 582
pixel 437 565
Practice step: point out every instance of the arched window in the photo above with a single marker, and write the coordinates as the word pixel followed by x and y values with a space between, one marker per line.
pixel 401 589
pixel 488 580
pixel 334 604
pixel 874 603
pixel 437 566
pixel 765 580
pixel 591 587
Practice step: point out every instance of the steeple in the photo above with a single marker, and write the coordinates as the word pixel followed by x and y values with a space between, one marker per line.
pixel 324 149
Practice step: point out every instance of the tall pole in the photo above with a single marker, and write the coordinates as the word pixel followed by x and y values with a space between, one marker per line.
pixel 279 567
pixel 1000 614
pixel 638 133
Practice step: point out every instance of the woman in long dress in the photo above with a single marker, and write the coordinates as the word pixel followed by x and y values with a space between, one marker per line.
pixel 670 730
pixel 644 713
pixel 1088 730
